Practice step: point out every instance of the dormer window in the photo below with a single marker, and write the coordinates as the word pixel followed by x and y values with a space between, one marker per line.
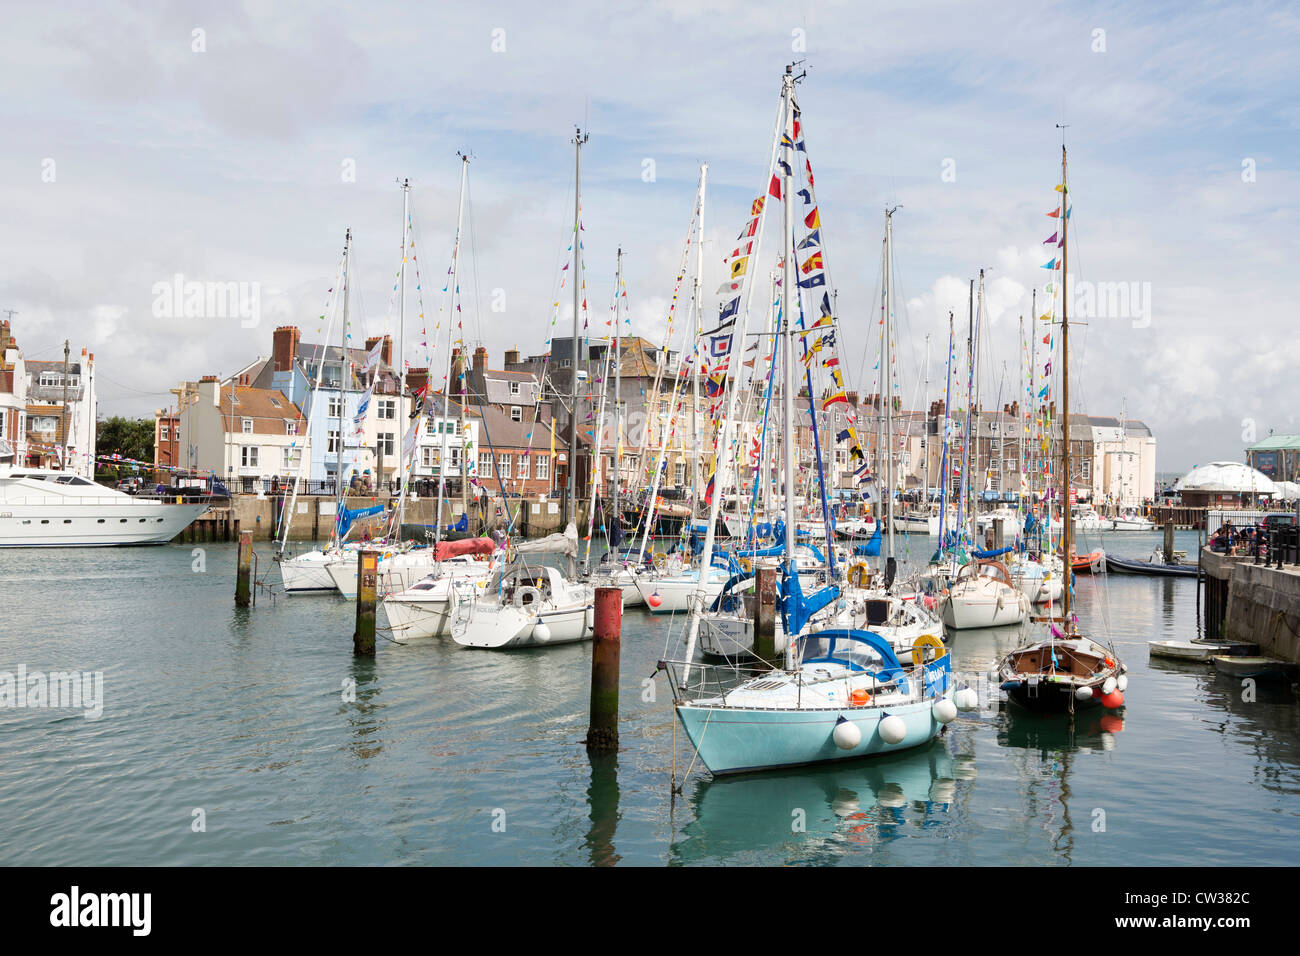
pixel 247 425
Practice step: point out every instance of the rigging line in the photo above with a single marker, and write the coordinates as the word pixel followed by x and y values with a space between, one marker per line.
pixel 473 243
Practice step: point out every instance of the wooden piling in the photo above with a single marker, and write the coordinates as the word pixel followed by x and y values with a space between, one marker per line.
pixel 363 638
pixel 244 572
pixel 602 728
pixel 765 617
pixel 1169 541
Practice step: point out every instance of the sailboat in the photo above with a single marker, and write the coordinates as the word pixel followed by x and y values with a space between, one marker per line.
pixel 981 592
pixel 1066 671
pixel 842 693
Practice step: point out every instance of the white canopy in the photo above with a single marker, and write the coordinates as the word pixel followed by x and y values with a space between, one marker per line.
pixel 1286 490
pixel 1225 477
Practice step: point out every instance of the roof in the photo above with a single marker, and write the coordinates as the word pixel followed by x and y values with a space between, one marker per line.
pixel 1227 477
pixel 1131 426
pixel 268 408
pixel 43 365
pixel 1277 443
pixel 499 431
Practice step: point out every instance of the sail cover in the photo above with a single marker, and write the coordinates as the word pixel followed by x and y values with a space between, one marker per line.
pixel 566 543
pixel 456 549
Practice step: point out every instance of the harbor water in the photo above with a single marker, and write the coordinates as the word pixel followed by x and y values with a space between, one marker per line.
pixel 255 737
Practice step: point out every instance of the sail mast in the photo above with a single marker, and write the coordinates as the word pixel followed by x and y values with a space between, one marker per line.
pixel 343 346
pixel 695 370
pixel 888 382
pixel 570 509
pixel 1067 541
pixel 618 391
pixel 787 358
pixel 452 326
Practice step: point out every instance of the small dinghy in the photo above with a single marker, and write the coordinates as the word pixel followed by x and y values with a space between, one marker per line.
pixel 1190 650
pixel 1258 668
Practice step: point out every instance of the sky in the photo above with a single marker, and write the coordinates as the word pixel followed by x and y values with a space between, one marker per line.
pixel 236 142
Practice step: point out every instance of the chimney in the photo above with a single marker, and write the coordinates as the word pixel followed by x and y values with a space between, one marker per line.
pixel 480 359
pixel 852 397
pixel 210 390
pixel 416 379
pixel 512 357
pixel 284 346
pixel 5 337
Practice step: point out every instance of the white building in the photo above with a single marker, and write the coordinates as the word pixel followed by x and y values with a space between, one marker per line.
pixel 242 434
pixel 61 414
pixel 1123 470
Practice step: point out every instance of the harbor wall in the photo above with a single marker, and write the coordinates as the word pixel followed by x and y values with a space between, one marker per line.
pixel 1252 603
pixel 1264 609
pixel 313 517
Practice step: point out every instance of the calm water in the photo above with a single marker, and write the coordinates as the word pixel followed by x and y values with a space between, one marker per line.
pixel 241 714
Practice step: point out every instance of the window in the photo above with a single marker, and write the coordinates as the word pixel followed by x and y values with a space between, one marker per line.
pixel 453 459
pixel 514 388
pixel 1087 470
pixel 485 464
pixel 503 466
pixel 993 464
pixel 521 469
pixel 290 459
pixel 246 425
pixel 516 413
pixel 429 457
pixel 332 444
pixel 275 402
pixel 44 424
pixel 544 466
pixel 388 409
pixel 290 428
pixel 386 443
pixel 336 407
pixel 163 432
pixel 248 456
pixel 679 474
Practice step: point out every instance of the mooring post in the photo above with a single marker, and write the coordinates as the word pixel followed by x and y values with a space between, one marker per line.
pixel 363 638
pixel 244 572
pixel 1169 541
pixel 765 617
pixel 602 730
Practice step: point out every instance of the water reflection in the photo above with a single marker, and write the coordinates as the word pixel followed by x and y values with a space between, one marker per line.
pixel 362 713
pixel 817 815
pixel 603 810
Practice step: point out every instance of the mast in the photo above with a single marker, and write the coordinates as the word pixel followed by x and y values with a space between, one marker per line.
pixel 343 344
pixel 787 358
pixel 618 388
pixel 1067 540
pixel 695 370
pixel 570 510
pixel 925 479
pixel 888 388
pixel 401 344
pixel 970 405
pixel 452 325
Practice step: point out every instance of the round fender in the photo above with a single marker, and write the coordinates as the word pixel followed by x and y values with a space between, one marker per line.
pixel 527 597
pixel 922 642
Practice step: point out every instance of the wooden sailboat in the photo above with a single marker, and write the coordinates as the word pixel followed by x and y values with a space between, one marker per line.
pixel 1067 671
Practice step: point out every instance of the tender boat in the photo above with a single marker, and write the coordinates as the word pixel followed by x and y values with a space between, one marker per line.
pixel 1193 650
pixel 46 508
pixel 1063 675
pixel 1131 520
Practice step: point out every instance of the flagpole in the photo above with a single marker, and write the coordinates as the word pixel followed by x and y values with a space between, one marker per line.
pixel 570 506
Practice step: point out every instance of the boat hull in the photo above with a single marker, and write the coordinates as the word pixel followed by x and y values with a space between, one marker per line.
pixel 744 740
pixel 93 525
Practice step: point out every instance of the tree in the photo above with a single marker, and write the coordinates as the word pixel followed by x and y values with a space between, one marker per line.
pixel 128 437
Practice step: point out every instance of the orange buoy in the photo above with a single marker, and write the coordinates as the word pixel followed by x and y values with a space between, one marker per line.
pixel 1110 662
pixel 861 698
pixel 654 600
pixel 1113 700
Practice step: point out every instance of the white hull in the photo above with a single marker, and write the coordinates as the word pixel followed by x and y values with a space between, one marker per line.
pixel 666 595
pixel 309 573
pixel 397 572
pixel 506 627
pixel 983 602
pixel 93 524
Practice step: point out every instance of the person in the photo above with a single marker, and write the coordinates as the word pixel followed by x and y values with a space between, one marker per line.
pixel 159 489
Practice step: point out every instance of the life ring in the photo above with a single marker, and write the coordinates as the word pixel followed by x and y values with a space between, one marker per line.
pixel 659 559
pixel 524 592
pixel 859 574
pixel 746 565
pixel 926 640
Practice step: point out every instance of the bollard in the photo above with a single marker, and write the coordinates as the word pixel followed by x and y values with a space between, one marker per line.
pixel 765 617
pixel 243 575
pixel 1169 541
pixel 363 638
pixel 602 730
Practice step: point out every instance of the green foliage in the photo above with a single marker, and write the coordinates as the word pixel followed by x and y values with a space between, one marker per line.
pixel 128 437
